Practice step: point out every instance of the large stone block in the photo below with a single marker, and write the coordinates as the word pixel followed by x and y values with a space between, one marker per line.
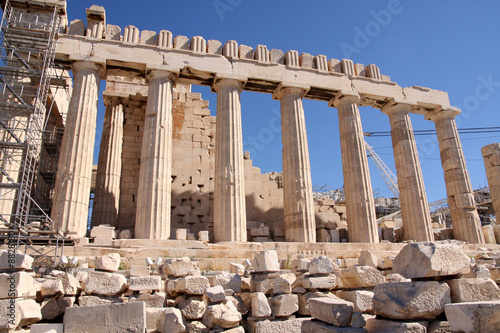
pixel 145 283
pixel 97 300
pixel 473 290
pixel 18 284
pixel 320 282
pixel 474 317
pixel 322 265
pixel 313 326
pixel 106 284
pixel 103 231
pixel 156 300
pixel 109 262
pixel 224 315
pixel 266 261
pixel 47 328
pixel 55 307
pixel 260 306
pixel 292 325
pixel 71 285
pixel 192 308
pixel 375 325
pixel 113 318
pixel 216 294
pixel 411 300
pixel 427 259
pixel 362 299
pixel 304 300
pixel 284 305
pixel 334 311
pixel 361 276
pixel 12 260
pixel 29 311
pixel 366 258
pixel 178 267
pixel 193 285
pixel 52 287
pixel 171 321
pixel 9 314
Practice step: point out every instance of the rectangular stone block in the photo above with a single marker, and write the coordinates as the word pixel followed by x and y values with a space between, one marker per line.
pixel 19 284
pixel 113 318
pixel 103 232
pixel 137 270
pixel 11 260
pixel 473 317
pixel 334 311
pixel 145 283
pixel 47 328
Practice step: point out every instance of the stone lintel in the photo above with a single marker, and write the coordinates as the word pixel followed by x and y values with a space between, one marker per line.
pixel 449 112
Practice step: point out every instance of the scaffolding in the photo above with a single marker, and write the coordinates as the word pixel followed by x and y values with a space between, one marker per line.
pixel 27 151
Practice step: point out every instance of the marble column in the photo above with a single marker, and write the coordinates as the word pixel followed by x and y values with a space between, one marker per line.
pixel 412 197
pixel 464 216
pixel 300 224
pixel 229 194
pixel 109 169
pixel 491 156
pixel 70 206
pixel 360 205
pixel 153 199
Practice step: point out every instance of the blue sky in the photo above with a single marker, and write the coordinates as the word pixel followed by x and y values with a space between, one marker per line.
pixel 445 45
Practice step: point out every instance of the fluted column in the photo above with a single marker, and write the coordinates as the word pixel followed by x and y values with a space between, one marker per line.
pixel 360 206
pixel 229 193
pixel 300 225
pixel 491 156
pixel 72 189
pixel 109 169
pixel 464 216
pixel 153 199
pixel 412 197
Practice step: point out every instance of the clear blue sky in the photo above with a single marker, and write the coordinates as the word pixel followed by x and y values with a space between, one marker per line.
pixel 446 45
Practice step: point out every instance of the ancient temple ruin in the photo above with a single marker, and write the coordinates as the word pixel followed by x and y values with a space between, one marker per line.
pixel 165 163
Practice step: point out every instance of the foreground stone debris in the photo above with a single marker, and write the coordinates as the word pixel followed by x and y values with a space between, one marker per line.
pixel 474 316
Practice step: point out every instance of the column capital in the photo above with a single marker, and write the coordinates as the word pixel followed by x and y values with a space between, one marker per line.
pixel 161 74
pixel 90 66
pixel 344 96
pixel 443 113
pixel 237 81
pixel 396 106
pixel 286 88
pixel 110 101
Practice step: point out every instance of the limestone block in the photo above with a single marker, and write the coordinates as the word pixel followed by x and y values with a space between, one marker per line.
pixel 129 317
pixel 139 270
pixel 427 259
pixel 266 261
pixel 359 69
pixel 148 37
pixel 358 319
pixel 284 305
pixel 156 300
pixel 224 315
pixel 312 326
pixel 474 316
pixel 19 261
pixel 473 290
pixel 439 327
pixel 322 265
pixel 262 283
pixel 277 56
pixel 373 72
pixel 361 299
pixel 29 312
pixel 214 46
pixel 192 308
pixel 109 262
pixel 178 266
pixel 321 63
pixel 375 325
pixel 181 234
pixel 77 28
pixel 226 280
pixel 230 49
pixel 52 287
pixel 197 326
pixel 145 283
pixel 55 307
pixel 47 328
pixel 260 306
pixel 261 53
pixel 113 32
pixel 104 242
pixel 181 42
pixel 171 321
pixel 236 269
pixel 306 60
pixel 334 311
pixel 245 52
pixel 304 300
pixel 71 285
pixel 489 234
pixel 301 264
pixel 282 285
pixel 320 282
pixel 347 67
pixel 411 300
pixel 193 285
pixel 97 300
pixel 103 231
pixel 198 44
pixel 334 66
pixel 496 231
pixel 152 316
pixel 366 258
pixel 291 325
pixel 216 294
pixel 105 284
pixel 9 314
pixel 171 286
pixel 361 276
pixel 203 236
pixel 292 58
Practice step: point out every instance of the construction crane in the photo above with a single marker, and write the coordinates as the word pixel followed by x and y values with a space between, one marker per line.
pixel 389 177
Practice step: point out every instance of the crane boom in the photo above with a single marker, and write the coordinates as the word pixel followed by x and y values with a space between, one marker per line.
pixel 388 175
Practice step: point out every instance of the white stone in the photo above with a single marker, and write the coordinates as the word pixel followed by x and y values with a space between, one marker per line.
pixel 22 284
pixel 103 232
pixel 291 325
pixel 473 290
pixel 137 270
pixel 322 265
pixel 193 285
pixel 152 316
pixel 85 300
pixel 9 314
pixel 181 234
pixel 236 269
pixel 30 312
pixel 178 267
pixel 47 328
pixel 71 285
pixel 427 259
pixel 156 300
pixel 260 306
pixel 284 305
pixel 52 287
pixel 114 318
pixel 320 282
pixel 304 300
pixel 19 261
pixel 192 308
pixel 366 258
pixel 145 283
pixel 106 284
pixel 375 325
pixel 109 262
pixel 171 321
pixel 216 294
pixel 411 300
pixel 334 311
pixel 474 317
pixel 266 261
pixel 361 276
pixel 224 315
pixel 361 299
pixel 55 307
